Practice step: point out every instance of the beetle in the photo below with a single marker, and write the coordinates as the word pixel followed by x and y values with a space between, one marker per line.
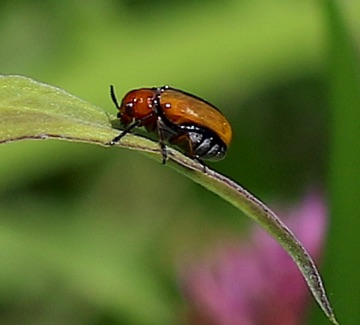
pixel 197 127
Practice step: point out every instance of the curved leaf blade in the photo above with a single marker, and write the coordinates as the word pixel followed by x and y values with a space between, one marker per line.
pixel 29 109
pixel 32 110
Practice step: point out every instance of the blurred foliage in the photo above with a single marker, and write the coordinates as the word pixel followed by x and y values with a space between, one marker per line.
pixel 343 261
pixel 93 235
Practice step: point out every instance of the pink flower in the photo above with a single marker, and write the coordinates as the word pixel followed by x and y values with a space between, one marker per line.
pixel 255 282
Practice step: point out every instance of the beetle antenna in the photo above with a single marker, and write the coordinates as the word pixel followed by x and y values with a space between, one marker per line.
pixel 113 96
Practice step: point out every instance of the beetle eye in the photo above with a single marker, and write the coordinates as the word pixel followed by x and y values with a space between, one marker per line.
pixel 129 108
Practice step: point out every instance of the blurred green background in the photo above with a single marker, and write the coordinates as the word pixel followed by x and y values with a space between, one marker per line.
pixel 90 235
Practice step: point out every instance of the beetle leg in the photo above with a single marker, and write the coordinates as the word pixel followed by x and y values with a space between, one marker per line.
pixel 128 129
pixel 195 157
pixel 124 132
pixel 201 162
pixel 161 140
pixel 188 148
pixel 163 152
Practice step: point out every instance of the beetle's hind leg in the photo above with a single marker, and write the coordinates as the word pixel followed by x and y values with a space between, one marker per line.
pixel 201 162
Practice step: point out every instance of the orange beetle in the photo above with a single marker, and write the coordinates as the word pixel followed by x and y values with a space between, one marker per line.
pixel 181 119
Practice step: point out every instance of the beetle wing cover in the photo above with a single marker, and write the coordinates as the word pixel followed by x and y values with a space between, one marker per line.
pixel 183 108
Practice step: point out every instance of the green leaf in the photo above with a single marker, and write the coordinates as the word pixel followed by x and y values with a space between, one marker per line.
pixel 32 110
